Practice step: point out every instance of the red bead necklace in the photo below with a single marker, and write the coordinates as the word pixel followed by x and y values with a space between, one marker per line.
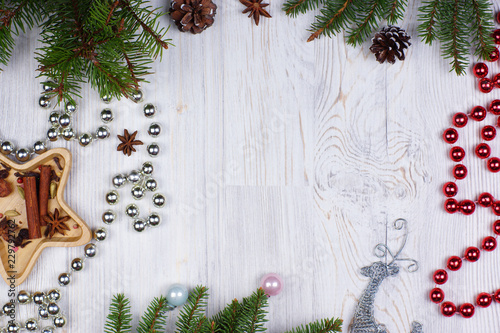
pixel 481 69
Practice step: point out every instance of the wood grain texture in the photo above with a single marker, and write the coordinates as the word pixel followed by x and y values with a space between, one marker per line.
pixel 277 156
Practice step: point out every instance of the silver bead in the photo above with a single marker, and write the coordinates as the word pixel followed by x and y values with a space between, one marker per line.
pixel 159 200
pixel 6 147
pixel 48 329
pixel 31 324
pixel 100 234
pixel 132 211
pixel 52 134
pixel 149 110
pixel 107 116
pixel 102 132
pixel 23 297
pixel 68 133
pixel 53 309
pixel 154 130
pixel 76 265
pixel 137 192
pixel 153 149
pixel 64 120
pixel 139 225
pixel 90 250
pixel 54 295
pixel 59 321
pixel 47 85
pixel 42 312
pixel 22 155
pixel 151 184
pixel 112 198
pixel 106 98
pixel 44 101
pixel 134 177
pixel 71 107
pixel 38 297
pixel 108 217
pixel 8 308
pixel 147 168
pixel 39 147
pixel 137 96
pixel 64 279
pixel 85 139
pixel 54 118
pixel 154 219
pixel 119 180
pixel 13 327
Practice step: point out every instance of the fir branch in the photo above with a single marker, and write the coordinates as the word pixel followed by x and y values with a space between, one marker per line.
pixel 428 16
pixel 323 326
pixel 192 317
pixel 119 317
pixel 481 27
pixel 154 319
pixel 397 10
pixel 295 7
pixel 369 12
pixel 253 312
pixel 334 17
pixel 226 321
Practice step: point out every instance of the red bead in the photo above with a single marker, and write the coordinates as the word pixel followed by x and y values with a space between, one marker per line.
pixel 450 135
pixel 460 171
pixel 440 276
pixel 496 36
pixel 467 207
pixel 483 150
pixel 484 300
pixel 457 153
pixel 448 309
pixel 488 133
pixel 489 243
pixel 467 310
pixel 460 119
pixel 496 208
pixel 496 80
pixel 496 296
pixel 494 55
pixel 451 206
pixel 450 189
pixel 480 70
pixel 498 17
pixel 495 107
pixel 485 200
pixel 478 113
pixel 485 85
pixel 494 164
pixel 436 295
pixel 454 263
pixel 496 227
pixel 472 254
pixel 20 180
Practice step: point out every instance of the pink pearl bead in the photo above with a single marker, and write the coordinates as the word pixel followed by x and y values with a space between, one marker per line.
pixel 272 284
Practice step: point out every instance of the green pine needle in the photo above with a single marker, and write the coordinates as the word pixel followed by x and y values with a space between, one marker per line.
pixel 253 313
pixel 226 321
pixel 192 317
pixel 481 28
pixel 321 326
pixel 154 319
pixel 119 317
pixel 295 7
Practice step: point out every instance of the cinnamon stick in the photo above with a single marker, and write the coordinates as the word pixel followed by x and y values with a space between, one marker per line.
pixel 32 212
pixel 43 193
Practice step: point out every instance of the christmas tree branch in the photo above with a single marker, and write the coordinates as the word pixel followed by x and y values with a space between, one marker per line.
pixel 369 12
pixel 333 18
pixel 481 27
pixel 428 17
pixel 119 317
pixel 294 7
pixel 253 312
pixel 154 319
pixel 323 326
pixel 396 11
pixel 226 321
pixel 193 312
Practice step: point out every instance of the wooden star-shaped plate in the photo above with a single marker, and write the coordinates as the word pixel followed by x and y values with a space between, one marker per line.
pixel 18 261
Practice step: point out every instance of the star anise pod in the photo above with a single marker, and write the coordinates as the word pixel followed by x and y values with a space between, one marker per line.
pixel 128 143
pixel 256 9
pixel 55 223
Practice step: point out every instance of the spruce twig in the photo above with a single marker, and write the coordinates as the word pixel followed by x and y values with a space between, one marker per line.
pixel 481 28
pixel 154 319
pixel 226 321
pixel 192 317
pixel 253 313
pixel 321 326
pixel 428 18
pixel 119 317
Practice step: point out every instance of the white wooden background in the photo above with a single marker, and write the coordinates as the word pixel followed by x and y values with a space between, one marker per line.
pixel 277 156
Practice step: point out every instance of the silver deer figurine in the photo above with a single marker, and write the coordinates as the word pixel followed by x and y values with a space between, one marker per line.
pixel 364 319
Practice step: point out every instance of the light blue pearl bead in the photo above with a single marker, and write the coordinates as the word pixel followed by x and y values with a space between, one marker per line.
pixel 177 295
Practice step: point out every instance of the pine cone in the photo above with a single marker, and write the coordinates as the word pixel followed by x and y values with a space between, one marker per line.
pixel 193 15
pixel 390 43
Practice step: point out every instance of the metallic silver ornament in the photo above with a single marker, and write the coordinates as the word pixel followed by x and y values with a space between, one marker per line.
pixel 68 133
pixel 39 147
pixel 48 329
pixel 90 250
pixel 112 198
pixel 54 118
pixel 85 139
pixel 153 149
pixel 13 327
pixel 149 110
pixel 154 219
pixel 47 86
pixel 151 184
pixel 42 312
pixel 53 309
pixel 59 321
pixel 76 266
pixel 107 116
pixel 147 168
pixel 108 217
pixel 159 200
pixel 106 98
pixel 137 192
pixel 154 130
pixel 22 154
pixel 44 101
pixel 31 325
pixel 137 96
pixel 52 134
pixel 6 148
pixel 139 225
pixel 38 297
pixel 119 180
pixel 71 107
pixel 132 211
pixel 64 120
pixel 8 308
pixel 102 132
pixel 54 295
pixel 23 297
pixel 134 177
pixel 100 234
pixel 64 279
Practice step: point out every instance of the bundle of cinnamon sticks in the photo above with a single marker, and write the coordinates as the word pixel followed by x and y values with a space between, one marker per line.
pixel 37 200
